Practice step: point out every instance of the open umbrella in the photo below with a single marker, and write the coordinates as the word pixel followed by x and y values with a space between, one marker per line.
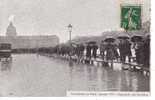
pixel 136 38
pixel 147 35
pixel 123 37
pixel 109 40
pixel 74 44
pixel 92 42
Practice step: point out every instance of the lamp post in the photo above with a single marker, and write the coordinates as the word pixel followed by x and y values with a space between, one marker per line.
pixel 70 36
pixel 70 31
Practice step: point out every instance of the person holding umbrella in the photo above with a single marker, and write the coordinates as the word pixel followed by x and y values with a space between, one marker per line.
pixel 88 52
pixel 77 52
pixel 94 48
pixel 102 49
pixel 110 55
pixel 124 48
pixel 82 48
pixel 80 51
pixel 138 41
pixel 147 52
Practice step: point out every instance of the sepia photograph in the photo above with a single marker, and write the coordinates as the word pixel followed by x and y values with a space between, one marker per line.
pixel 61 48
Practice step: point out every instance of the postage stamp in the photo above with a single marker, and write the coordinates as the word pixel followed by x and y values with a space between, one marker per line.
pixel 131 17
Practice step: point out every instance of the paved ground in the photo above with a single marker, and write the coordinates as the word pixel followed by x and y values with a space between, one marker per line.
pixel 32 75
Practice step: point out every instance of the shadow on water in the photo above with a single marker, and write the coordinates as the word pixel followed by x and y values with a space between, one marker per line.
pixel 71 63
pixel 6 64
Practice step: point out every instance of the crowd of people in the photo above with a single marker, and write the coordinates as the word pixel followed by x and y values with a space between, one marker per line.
pixel 126 50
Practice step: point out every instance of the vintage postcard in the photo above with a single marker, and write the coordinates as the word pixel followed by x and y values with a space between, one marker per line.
pixel 59 48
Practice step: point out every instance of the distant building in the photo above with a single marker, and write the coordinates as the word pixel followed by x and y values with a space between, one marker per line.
pixel 11 30
pixel 28 42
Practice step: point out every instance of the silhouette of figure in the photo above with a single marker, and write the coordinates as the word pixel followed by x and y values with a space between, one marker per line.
pixel 88 51
pixel 110 51
pixel 125 49
pixel 94 48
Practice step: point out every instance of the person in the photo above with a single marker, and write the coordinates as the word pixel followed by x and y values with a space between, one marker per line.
pixel 82 48
pixel 128 49
pixel 102 49
pixel 94 48
pixel 139 49
pixel 116 52
pixel 88 51
pixel 146 51
pixel 121 50
pixel 77 51
pixel 110 51
pixel 125 50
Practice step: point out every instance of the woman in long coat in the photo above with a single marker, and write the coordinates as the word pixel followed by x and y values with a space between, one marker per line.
pixel 110 55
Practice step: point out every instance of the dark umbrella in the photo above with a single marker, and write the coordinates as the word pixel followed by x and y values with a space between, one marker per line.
pixel 102 41
pixel 123 37
pixel 147 36
pixel 92 42
pixel 109 40
pixel 136 38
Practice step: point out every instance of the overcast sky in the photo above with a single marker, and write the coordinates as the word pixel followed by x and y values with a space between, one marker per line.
pixel 41 17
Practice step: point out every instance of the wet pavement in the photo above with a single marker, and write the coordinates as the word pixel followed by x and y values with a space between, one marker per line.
pixel 34 75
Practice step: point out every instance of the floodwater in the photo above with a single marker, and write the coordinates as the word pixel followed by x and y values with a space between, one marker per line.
pixel 34 75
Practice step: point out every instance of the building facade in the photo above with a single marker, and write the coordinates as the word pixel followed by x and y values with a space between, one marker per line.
pixel 27 42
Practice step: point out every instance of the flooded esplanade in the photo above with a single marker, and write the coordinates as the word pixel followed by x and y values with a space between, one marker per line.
pixel 47 76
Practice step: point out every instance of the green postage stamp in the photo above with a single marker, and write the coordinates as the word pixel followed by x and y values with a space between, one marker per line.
pixel 131 17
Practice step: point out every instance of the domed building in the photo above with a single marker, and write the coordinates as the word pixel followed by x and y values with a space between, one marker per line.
pixel 27 42
pixel 11 30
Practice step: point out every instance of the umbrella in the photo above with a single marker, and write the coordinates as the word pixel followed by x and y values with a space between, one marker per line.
pixel 74 44
pixel 109 40
pixel 123 37
pixel 102 41
pixel 136 38
pixel 147 35
pixel 92 42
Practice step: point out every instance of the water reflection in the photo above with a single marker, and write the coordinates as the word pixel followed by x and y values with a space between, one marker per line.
pixel 42 76
pixel 93 78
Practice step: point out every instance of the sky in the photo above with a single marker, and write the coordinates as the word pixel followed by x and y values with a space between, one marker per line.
pixel 51 17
